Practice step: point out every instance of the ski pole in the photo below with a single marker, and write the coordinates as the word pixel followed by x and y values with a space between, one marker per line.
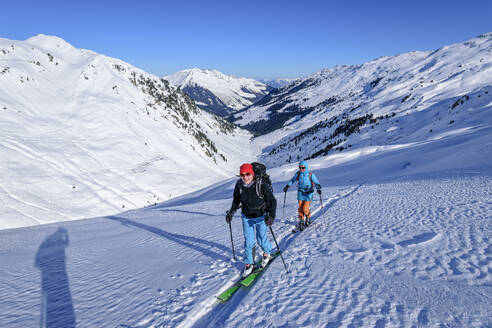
pixel 232 241
pixel 322 207
pixel 283 209
pixel 274 239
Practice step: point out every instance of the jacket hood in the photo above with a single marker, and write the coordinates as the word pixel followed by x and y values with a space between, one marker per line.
pixel 305 164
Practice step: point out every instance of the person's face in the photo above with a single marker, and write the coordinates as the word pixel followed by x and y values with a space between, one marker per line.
pixel 246 177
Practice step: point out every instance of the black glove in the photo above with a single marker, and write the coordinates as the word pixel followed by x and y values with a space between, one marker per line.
pixel 319 191
pixel 229 215
pixel 269 219
pixel 286 187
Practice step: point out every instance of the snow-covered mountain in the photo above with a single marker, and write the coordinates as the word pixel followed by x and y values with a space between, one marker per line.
pixel 400 239
pixel 216 92
pixel 392 247
pixel 407 98
pixel 277 83
pixel 85 135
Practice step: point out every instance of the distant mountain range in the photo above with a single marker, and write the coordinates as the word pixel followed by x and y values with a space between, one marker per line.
pixel 216 92
pixel 405 98
pixel 85 135
pixel 277 83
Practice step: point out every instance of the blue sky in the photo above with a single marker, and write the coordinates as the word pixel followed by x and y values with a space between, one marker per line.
pixel 259 39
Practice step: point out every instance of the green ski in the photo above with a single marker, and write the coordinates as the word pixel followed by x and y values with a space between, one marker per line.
pixel 229 292
pixel 245 282
pixel 256 272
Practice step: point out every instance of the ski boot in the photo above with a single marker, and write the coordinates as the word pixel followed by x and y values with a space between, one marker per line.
pixel 301 225
pixel 265 260
pixel 247 270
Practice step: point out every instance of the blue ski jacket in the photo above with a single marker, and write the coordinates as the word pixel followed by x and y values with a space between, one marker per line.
pixel 306 181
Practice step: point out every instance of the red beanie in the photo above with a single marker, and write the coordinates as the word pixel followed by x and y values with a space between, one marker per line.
pixel 246 168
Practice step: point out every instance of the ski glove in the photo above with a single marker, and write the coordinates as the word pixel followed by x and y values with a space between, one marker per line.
pixel 319 191
pixel 269 219
pixel 286 188
pixel 228 217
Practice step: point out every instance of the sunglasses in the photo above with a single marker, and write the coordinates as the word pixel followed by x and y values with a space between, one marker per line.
pixel 245 174
pixel 302 167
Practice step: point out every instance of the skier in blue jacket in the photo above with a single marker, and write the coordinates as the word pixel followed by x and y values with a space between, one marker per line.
pixel 306 182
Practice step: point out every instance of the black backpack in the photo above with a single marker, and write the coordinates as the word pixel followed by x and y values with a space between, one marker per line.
pixel 260 176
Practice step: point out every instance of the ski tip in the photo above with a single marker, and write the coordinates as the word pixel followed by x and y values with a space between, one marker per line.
pixel 221 298
pixel 227 294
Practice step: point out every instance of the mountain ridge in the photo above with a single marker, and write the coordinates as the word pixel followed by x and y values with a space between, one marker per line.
pixel 336 108
pixel 74 120
pixel 217 92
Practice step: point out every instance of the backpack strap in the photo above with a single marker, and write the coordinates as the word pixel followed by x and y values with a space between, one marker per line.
pixel 258 188
pixel 311 178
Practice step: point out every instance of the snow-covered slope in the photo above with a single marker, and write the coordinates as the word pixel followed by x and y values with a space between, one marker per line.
pixel 403 240
pixel 216 92
pixel 400 99
pixel 82 135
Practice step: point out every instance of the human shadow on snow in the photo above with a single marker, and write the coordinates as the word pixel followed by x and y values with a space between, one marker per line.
pixel 188 241
pixel 56 300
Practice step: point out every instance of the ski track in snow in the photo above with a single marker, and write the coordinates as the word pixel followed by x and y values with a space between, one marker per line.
pixel 366 258
pixel 407 252
pixel 213 313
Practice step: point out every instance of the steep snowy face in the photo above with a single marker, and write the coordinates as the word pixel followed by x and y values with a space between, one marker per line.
pixel 405 98
pixel 216 92
pixel 82 135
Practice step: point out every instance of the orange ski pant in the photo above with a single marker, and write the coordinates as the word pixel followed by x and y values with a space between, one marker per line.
pixel 304 209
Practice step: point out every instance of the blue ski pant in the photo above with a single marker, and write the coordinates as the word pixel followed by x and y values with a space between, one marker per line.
pixel 249 227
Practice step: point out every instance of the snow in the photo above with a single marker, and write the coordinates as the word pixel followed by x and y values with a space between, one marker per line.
pixel 415 92
pixel 235 92
pixel 277 83
pixel 78 139
pixel 403 238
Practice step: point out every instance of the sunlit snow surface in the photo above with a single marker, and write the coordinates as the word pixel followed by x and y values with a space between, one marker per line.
pixel 411 97
pixel 404 240
pixel 234 92
pixel 79 139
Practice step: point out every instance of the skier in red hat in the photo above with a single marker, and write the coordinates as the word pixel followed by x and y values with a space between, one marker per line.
pixel 258 206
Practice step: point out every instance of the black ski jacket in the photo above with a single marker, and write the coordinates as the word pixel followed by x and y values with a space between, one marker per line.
pixel 253 205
